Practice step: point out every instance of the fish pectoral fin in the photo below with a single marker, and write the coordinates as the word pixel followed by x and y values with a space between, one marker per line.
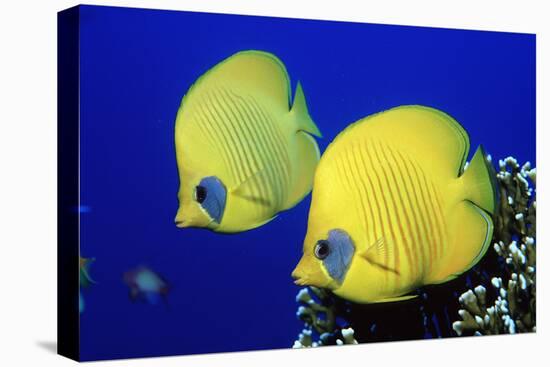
pixel 254 199
pixel 396 299
pixel 378 247
pixel 249 179
pixel 377 252
pixel 383 267
pixel 244 189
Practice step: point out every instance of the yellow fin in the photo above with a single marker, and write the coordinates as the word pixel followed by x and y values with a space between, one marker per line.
pixel 471 232
pixel 306 150
pixel 300 113
pixel 445 280
pixel 377 252
pixel 307 157
pixel 256 72
pixel 480 183
pixel 247 227
pixel 427 135
pixel 243 189
pixel 396 299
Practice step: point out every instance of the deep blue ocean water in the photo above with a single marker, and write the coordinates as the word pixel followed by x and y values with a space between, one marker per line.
pixel 234 292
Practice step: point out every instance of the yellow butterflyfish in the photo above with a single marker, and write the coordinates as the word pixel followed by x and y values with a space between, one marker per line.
pixel 393 208
pixel 243 153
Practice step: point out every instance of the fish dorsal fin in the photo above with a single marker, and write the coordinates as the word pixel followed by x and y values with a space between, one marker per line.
pixel 377 252
pixel 252 71
pixel 423 134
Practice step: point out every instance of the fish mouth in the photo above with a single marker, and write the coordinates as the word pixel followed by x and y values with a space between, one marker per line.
pixel 300 281
pixel 180 223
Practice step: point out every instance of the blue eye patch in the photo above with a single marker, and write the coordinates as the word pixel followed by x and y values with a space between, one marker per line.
pixel 341 250
pixel 211 195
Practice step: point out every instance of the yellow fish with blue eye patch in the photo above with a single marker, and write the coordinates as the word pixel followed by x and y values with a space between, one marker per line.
pixel 393 208
pixel 243 153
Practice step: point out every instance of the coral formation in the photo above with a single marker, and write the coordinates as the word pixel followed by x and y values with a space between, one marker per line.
pixel 514 307
pixel 319 310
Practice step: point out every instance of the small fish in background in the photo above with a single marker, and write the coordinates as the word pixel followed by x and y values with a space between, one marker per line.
pixel 84 279
pixel 82 209
pixel 243 153
pixel 393 208
pixel 146 285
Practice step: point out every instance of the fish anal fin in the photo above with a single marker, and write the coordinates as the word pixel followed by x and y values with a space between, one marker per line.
pixel 445 280
pixel 396 299
pixel 248 226
pixel 259 224
pixel 470 235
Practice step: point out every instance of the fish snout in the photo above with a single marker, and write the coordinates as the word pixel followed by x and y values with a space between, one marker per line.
pixel 180 220
pixel 298 275
pixel 308 272
pixel 180 223
pixel 300 281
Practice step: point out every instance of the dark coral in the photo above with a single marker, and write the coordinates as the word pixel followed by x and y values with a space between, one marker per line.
pixel 321 313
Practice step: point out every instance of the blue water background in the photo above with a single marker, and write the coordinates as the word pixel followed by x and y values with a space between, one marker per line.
pixel 234 292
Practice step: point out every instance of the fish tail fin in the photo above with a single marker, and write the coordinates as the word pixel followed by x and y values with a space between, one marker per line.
pixel 301 114
pixel 306 151
pixel 479 180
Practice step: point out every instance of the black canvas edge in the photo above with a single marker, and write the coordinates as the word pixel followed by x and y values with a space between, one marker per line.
pixel 68 269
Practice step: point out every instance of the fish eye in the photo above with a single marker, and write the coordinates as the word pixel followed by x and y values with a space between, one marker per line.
pixel 322 249
pixel 200 193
